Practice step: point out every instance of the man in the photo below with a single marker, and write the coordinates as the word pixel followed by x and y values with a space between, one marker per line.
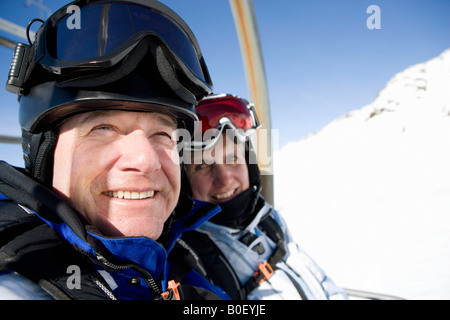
pixel 89 216
pixel 246 248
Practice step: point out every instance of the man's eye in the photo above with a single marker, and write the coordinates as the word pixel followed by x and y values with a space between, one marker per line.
pixel 103 127
pixel 164 134
pixel 163 137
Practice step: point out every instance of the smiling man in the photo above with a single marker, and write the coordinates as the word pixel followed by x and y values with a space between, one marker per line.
pixel 100 107
pixel 122 177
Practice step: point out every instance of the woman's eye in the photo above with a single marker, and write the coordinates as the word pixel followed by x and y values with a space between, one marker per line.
pixel 231 160
pixel 201 167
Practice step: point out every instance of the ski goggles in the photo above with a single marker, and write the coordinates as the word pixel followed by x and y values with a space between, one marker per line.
pixel 218 112
pixel 98 35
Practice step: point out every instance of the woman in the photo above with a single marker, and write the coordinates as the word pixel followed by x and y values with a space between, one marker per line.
pixel 246 249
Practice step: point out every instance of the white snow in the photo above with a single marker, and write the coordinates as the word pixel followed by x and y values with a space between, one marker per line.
pixel 368 197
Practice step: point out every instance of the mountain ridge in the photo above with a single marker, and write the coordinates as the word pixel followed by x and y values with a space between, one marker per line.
pixel 368 194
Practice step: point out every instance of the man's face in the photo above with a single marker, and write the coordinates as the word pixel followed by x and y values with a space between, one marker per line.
pixel 117 169
pixel 222 175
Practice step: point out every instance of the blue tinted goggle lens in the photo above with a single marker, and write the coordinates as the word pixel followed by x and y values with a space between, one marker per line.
pixel 107 29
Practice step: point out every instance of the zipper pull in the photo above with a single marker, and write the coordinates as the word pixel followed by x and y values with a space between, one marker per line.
pixel 172 292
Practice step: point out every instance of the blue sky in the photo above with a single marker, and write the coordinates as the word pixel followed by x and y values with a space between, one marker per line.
pixel 321 60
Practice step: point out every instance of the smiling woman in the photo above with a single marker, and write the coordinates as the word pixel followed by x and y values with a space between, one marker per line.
pixel 248 242
pixel 222 174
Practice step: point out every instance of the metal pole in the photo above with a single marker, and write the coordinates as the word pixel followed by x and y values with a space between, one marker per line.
pixel 10 139
pixel 15 29
pixel 7 43
pixel 248 34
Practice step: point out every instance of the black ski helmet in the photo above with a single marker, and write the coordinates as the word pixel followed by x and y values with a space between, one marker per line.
pixel 135 55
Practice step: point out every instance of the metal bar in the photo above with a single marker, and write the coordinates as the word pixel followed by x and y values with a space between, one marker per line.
pixel 15 29
pixel 10 139
pixel 366 295
pixel 7 43
pixel 248 34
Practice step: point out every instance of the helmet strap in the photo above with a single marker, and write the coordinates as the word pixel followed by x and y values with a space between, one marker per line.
pixel 254 174
pixel 38 152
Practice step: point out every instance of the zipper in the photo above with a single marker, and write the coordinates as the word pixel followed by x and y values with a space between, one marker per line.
pixel 145 274
pixel 105 289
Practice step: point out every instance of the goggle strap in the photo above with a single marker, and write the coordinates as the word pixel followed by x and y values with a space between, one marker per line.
pixel 168 74
pixel 254 115
pixel 210 143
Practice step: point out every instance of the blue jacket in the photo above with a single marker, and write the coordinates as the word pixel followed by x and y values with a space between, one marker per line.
pixel 118 268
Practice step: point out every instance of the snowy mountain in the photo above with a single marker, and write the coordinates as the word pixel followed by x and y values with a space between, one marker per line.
pixel 369 195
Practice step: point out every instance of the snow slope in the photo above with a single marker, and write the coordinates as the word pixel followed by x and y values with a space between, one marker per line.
pixel 369 195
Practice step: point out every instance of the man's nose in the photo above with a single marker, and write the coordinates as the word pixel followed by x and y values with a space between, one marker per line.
pixel 138 154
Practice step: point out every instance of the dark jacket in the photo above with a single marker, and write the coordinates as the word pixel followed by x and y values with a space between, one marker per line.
pixel 41 237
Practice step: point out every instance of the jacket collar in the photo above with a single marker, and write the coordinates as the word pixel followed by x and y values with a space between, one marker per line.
pixel 53 210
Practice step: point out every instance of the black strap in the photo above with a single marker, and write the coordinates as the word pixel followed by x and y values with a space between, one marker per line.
pixel 218 270
pixel 271 227
pixel 273 230
pixel 184 260
pixel 187 292
pixel 195 293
